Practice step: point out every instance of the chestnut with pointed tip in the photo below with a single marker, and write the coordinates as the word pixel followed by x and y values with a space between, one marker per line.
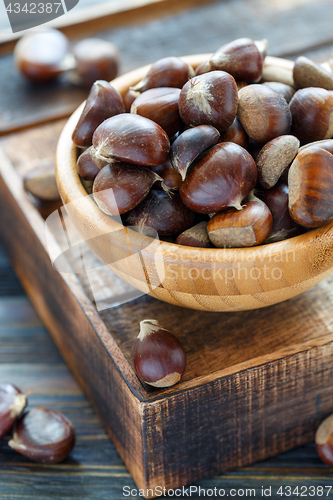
pixel 161 106
pixel 324 441
pixel 191 144
pixel 159 212
pixel 263 113
pixel 310 182
pixel 166 72
pixel 209 99
pixel 234 228
pixel 171 180
pixel 120 186
pixel 158 357
pixel 131 138
pixel 103 102
pixel 44 436
pixel 88 165
pixel 219 178
pixel 12 403
pixel 241 58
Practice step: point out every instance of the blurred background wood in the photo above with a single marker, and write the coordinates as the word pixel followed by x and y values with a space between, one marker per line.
pixel 28 357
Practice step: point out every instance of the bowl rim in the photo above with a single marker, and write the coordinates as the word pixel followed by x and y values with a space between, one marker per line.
pixel 71 189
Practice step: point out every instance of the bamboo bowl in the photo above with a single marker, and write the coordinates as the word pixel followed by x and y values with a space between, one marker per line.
pixel 206 279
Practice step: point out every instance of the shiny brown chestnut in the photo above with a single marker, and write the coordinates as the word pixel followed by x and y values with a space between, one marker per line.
pixel 41 56
pixel 235 133
pixel 129 98
pixel 312 114
pixel 326 144
pixel 161 106
pixel 263 113
pixel 131 138
pixel 12 403
pixel 119 187
pixel 324 441
pixel 274 158
pixel 88 165
pixel 310 182
pixel 283 225
pixel 171 180
pixel 220 178
pixel 190 144
pixel 103 102
pixel 44 436
pixel 161 213
pixel 209 99
pixel 234 228
pixel 96 59
pixel 166 72
pixel 240 58
pixel 283 89
pixel 307 73
pixel 158 357
pixel 195 236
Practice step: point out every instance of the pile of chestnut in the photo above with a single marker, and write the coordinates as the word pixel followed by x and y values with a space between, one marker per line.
pixel 212 157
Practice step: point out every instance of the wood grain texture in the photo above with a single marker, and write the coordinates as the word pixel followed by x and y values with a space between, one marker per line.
pixel 257 382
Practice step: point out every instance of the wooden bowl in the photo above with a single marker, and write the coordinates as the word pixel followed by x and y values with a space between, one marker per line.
pixel 207 279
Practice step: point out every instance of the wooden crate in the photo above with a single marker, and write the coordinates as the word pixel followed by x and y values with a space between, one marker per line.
pixel 257 382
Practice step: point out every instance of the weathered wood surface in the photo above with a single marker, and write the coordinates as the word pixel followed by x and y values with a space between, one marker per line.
pixel 94 470
pixel 285 368
pixel 291 27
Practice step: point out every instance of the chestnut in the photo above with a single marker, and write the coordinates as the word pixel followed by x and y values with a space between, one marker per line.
pixel 161 106
pixel 12 404
pixel 283 225
pixel 161 213
pixel 95 59
pixel 166 72
pixel 209 99
pixel 220 178
pixel 88 165
pixel 263 113
pixel 326 144
pixel 44 436
pixel 235 133
pixel 129 98
pixel 283 89
pixel 41 182
pixel 241 58
pixel 274 158
pixel 158 357
pixel 195 236
pixel 190 144
pixel 312 112
pixel 131 138
pixel 119 187
pixel 41 56
pixel 324 441
pixel 307 73
pixel 310 182
pixel 103 102
pixel 171 179
pixel 234 228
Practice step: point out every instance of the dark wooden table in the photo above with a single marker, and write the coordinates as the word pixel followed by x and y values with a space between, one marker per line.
pixel 28 357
